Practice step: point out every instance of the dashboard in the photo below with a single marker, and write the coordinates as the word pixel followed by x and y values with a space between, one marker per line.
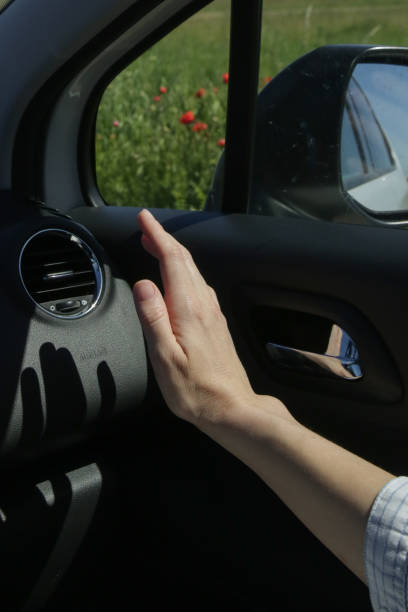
pixel 73 353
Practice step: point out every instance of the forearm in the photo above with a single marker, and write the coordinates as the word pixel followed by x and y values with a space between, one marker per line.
pixel 328 488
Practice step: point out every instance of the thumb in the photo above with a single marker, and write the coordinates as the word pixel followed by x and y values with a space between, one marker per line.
pixel 153 315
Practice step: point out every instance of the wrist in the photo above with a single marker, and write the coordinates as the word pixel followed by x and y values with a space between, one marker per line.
pixel 244 413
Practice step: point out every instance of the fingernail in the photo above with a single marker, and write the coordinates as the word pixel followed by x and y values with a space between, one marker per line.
pixel 143 291
pixel 145 210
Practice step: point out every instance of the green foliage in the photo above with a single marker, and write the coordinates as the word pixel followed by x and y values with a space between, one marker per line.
pixel 150 158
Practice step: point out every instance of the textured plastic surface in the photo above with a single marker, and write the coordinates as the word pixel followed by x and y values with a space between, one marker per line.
pixel 45 524
pixel 62 378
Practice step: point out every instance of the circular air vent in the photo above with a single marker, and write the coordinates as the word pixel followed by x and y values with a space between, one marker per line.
pixel 60 273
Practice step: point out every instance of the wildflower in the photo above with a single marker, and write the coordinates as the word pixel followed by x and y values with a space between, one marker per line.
pixel 200 93
pixel 157 98
pixel 268 79
pixel 187 117
pixel 221 142
pixel 225 77
pixel 199 126
pixel 215 89
pixel 116 123
pixel 163 89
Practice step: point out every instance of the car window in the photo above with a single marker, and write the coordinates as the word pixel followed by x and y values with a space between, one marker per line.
pixel 160 128
pixel 161 122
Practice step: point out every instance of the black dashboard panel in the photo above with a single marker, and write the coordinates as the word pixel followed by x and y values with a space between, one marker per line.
pixel 62 378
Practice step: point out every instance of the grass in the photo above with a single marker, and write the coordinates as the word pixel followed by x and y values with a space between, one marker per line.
pixel 148 157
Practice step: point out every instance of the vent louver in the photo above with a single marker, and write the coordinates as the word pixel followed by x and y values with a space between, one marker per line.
pixel 60 273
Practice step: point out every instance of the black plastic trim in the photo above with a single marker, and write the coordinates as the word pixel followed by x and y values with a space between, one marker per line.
pixel 245 41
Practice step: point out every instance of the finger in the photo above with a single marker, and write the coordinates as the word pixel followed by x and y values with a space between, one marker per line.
pixel 214 296
pixel 155 237
pixel 153 316
pixel 164 246
pixel 179 273
pixel 148 245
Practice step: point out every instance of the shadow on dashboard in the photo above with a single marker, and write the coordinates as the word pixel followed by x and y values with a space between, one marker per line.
pixel 54 400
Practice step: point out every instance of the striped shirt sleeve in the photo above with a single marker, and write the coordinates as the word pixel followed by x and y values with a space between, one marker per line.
pixel 386 548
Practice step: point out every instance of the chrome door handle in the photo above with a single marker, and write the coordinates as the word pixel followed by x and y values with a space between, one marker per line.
pixel 341 359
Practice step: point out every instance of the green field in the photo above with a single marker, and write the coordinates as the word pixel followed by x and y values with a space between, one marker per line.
pixel 145 156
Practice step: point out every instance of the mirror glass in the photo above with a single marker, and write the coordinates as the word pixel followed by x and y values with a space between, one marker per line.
pixel 374 137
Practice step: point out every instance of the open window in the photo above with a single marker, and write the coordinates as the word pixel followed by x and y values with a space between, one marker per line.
pixel 161 122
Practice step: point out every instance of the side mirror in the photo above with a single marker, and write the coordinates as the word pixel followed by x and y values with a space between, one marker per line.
pixel 330 138
pixel 374 137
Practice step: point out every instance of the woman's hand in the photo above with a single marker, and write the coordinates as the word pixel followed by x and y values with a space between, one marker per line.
pixel 190 347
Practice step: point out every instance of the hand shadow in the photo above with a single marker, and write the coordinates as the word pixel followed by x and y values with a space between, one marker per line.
pixel 63 409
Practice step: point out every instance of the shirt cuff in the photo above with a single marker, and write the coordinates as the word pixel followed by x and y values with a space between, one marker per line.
pixel 386 548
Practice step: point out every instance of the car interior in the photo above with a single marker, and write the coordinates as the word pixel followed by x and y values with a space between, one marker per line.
pixel 108 501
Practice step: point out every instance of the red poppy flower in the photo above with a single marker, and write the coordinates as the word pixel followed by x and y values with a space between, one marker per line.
pixel 116 123
pixel 187 117
pixel 221 142
pixel 199 126
pixel 268 79
pixel 200 93
pixel 225 77
pixel 163 89
pixel 157 98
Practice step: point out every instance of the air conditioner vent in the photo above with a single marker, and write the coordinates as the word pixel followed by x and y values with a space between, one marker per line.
pixel 60 273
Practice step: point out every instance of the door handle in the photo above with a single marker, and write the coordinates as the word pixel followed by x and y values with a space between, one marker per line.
pixel 341 359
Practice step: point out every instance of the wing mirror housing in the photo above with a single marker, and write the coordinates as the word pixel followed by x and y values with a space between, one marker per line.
pixel 329 140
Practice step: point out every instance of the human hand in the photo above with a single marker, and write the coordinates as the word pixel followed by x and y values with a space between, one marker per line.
pixel 203 381
pixel 189 344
